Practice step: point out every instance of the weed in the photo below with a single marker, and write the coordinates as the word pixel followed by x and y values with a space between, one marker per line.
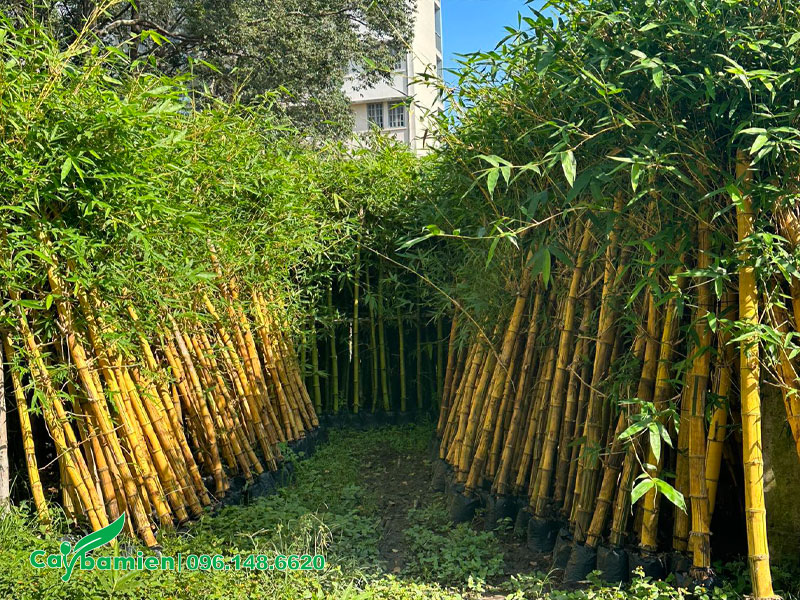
pixel 450 554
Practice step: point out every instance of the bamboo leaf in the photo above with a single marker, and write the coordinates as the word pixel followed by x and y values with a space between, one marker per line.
pixel 633 430
pixel 66 167
pixel 640 489
pixel 655 440
pixel 759 143
pixel 635 173
pixel 491 180
pixel 671 494
pixel 492 248
pixel 658 76
pixel 569 166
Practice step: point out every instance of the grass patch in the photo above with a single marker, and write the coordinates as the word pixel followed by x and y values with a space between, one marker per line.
pixel 327 510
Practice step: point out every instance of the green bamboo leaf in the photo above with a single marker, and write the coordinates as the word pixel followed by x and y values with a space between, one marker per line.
pixel 569 165
pixel 492 248
pixel 658 76
pixel 491 180
pixel 655 440
pixel 546 267
pixel 66 167
pixel 759 143
pixel 641 489
pixel 636 170
pixel 671 494
pixel 632 430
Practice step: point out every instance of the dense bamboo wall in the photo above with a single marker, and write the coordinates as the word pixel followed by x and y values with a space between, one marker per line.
pixel 583 398
pixel 157 430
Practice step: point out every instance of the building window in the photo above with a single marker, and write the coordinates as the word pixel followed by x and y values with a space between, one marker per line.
pixel 399 64
pixel 439 68
pixel 437 19
pixel 375 114
pixel 397 116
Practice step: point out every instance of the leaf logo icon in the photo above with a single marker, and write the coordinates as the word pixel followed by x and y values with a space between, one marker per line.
pixel 90 542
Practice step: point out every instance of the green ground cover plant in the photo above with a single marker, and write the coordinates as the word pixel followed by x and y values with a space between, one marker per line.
pixel 327 509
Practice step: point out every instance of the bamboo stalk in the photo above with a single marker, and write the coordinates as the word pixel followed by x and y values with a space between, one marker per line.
pixel 59 427
pixel 569 422
pixel 499 375
pixel 548 463
pixel 334 355
pixel 198 490
pixel 356 371
pixel 756 519
pixel 589 464
pixel 701 525
pixel 382 345
pixel 526 471
pixel 401 361
pixel 315 369
pixel 373 350
pixel 202 408
pixel 439 359
pixel 512 437
pixel 722 388
pixel 663 389
pixel 97 405
pixel 418 348
pixel 445 400
pixel 645 391
pixel 263 428
pixel 31 463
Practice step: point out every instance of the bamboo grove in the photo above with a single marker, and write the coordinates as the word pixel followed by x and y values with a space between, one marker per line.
pixel 377 353
pixel 373 344
pixel 159 255
pixel 623 204
pixel 593 281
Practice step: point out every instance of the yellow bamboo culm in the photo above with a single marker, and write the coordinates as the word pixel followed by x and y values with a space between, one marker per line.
pixel 700 540
pixel 588 467
pixel 547 467
pixel 197 491
pixel 200 405
pixel 42 512
pixel 645 390
pixel 663 389
pixel 501 482
pixel 498 379
pixel 756 516
pixel 444 407
pixel 59 427
pixel 722 387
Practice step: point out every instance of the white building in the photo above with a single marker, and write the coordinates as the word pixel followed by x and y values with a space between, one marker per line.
pixel 402 106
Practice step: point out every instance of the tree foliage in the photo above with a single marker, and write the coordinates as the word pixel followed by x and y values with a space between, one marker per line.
pixel 300 51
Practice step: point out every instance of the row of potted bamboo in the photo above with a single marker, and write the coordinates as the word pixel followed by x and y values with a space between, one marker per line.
pixel 156 432
pixel 541 407
pixel 364 359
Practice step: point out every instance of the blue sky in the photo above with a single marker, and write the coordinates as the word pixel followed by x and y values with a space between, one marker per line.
pixel 473 25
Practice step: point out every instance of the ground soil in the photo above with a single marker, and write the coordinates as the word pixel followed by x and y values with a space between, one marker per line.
pixel 401 481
